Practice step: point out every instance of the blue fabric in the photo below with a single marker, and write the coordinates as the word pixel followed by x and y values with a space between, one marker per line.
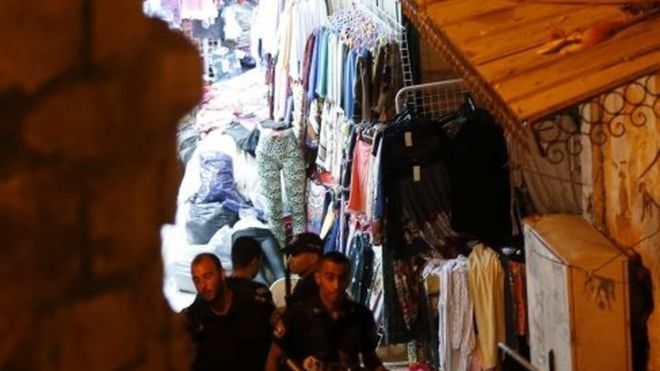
pixel 331 242
pixel 349 77
pixel 311 89
pixel 322 66
pixel 217 173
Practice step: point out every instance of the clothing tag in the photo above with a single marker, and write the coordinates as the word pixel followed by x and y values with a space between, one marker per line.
pixel 408 138
pixel 416 174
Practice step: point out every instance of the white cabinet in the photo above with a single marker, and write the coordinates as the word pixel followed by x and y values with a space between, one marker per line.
pixel 577 297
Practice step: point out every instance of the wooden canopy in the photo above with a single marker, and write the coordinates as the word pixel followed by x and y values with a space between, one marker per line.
pixel 503 50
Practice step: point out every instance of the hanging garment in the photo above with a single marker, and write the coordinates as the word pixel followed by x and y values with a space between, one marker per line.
pixel 486 282
pixel 203 10
pixel 360 174
pixel 386 81
pixel 361 256
pixel 455 313
pixel 277 157
pixel 317 197
pixel 306 16
pixel 479 177
pixel 362 87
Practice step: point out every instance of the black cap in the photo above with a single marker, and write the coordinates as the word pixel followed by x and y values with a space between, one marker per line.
pixel 304 242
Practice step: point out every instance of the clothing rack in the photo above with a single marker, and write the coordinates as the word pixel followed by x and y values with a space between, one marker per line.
pixel 388 12
pixel 434 99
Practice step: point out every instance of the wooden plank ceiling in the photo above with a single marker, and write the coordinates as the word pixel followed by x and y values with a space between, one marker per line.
pixel 501 41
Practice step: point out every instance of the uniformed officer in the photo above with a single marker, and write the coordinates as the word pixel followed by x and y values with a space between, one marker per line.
pixel 304 253
pixel 230 330
pixel 328 331
pixel 246 259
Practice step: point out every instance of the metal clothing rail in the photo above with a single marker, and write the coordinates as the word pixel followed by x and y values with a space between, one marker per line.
pixel 517 357
pixel 389 13
pixel 434 99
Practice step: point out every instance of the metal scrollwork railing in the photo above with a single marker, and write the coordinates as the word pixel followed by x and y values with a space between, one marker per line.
pixel 604 117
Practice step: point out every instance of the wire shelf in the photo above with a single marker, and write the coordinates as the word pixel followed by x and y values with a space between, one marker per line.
pixel 434 100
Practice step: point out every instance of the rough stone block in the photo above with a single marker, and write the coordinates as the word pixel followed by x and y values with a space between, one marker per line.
pixel 40 40
pixel 119 30
pixel 125 218
pixel 40 224
pixel 96 334
pixel 80 123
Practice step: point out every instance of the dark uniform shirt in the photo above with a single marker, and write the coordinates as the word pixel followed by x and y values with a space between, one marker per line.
pixel 235 341
pixel 257 290
pixel 305 288
pixel 308 329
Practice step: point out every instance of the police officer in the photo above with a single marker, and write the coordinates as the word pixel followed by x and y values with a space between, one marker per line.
pixel 304 251
pixel 230 330
pixel 328 331
pixel 246 259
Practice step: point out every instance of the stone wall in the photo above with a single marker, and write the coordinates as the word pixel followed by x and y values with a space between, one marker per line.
pixel 90 95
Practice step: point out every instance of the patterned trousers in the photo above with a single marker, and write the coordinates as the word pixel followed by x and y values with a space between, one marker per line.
pixel 281 156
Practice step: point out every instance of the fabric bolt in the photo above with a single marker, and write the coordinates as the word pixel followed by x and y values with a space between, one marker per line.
pixel 486 283
pixel 360 174
pixel 277 157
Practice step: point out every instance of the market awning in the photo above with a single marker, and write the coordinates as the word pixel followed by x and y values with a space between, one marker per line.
pixel 528 59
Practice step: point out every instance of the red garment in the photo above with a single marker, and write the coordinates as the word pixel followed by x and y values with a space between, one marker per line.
pixel 360 173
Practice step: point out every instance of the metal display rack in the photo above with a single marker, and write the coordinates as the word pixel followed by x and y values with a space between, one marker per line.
pixel 434 100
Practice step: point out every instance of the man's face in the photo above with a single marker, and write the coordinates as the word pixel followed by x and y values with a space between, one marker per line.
pixel 209 279
pixel 333 280
pixel 301 263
